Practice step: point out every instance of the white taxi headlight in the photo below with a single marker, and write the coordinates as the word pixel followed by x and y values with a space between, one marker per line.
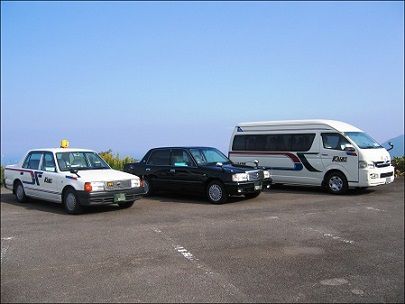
pixel 240 177
pixel 266 173
pixel 97 186
pixel 135 183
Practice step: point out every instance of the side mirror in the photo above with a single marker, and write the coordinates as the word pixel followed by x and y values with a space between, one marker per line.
pixel 391 146
pixel 256 163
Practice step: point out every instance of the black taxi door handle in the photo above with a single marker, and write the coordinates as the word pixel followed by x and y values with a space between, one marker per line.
pixel 172 170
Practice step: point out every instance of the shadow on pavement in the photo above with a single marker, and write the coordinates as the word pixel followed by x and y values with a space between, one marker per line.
pixel 280 188
pixel 45 206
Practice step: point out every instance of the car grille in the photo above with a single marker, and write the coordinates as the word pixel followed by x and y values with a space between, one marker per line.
pixel 381 164
pixel 255 175
pixel 118 185
pixel 388 174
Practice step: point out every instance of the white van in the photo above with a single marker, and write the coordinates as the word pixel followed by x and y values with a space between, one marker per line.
pixel 326 153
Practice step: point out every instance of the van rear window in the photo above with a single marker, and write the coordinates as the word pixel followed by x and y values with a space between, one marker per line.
pixel 273 142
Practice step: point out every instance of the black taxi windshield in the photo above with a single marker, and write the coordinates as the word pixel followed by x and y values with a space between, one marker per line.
pixel 208 156
pixel 363 140
pixel 80 161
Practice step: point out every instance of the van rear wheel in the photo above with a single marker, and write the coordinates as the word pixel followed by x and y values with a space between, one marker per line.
pixel 336 183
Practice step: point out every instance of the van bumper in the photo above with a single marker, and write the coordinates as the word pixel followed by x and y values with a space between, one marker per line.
pixel 109 197
pixel 375 177
pixel 247 187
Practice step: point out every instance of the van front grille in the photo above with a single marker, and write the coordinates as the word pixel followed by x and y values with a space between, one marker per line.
pixel 381 164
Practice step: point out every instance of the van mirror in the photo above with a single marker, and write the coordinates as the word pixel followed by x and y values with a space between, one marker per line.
pixel 350 149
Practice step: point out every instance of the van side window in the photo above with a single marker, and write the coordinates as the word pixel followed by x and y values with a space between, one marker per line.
pixel 160 158
pixel 334 141
pixel 273 142
pixel 32 161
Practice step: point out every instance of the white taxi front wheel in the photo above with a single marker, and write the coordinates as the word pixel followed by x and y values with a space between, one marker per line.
pixel 71 202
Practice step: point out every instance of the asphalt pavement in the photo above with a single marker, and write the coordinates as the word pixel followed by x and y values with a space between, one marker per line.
pixel 291 244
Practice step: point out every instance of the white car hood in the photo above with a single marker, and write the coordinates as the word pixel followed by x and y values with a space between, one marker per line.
pixel 103 175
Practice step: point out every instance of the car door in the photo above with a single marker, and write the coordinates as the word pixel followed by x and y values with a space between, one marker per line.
pixel 50 180
pixel 184 173
pixel 157 169
pixel 30 174
pixel 338 153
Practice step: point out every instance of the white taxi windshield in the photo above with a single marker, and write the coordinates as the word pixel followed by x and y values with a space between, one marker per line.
pixel 80 161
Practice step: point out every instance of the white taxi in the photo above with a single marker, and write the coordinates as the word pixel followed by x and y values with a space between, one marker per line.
pixel 74 177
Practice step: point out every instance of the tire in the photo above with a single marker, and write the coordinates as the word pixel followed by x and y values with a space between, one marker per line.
pixel 20 193
pixel 125 205
pixel 216 192
pixel 252 195
pixel 336 183
pixel 147 187
pixel 72 204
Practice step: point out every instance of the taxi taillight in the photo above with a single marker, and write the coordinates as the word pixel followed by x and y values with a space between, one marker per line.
pixel 142 184
pixel 88 187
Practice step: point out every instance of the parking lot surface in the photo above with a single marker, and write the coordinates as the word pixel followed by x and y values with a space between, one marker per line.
pixel 290 244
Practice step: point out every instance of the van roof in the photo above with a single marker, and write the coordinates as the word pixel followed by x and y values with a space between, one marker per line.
pixel 307 123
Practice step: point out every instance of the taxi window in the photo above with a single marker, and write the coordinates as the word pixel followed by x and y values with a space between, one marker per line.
pixel 180 158
pixel 32 161
pixel 160 158
pixel 48 163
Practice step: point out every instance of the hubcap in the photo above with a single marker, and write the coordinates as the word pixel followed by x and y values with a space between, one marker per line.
pixel 70 201
pixel 20 192
pixel 215 193
pixel 335 183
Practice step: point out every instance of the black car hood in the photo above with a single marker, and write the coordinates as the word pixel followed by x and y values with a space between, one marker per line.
pixel 231 168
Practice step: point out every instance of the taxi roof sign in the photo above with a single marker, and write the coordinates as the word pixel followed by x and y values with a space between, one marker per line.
pixel 64 143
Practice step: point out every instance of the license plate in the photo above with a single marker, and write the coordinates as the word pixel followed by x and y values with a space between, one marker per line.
pixel 258 187
pixel 119 197
pixel 388 180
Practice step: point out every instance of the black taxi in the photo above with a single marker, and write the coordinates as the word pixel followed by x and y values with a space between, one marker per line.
pixel 198 170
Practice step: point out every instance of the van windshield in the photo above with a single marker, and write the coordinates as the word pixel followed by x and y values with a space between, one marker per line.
pixel 363 140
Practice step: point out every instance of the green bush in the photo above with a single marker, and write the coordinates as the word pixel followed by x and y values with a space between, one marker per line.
pixel 115 161
pixel 399 164
pixel 2 176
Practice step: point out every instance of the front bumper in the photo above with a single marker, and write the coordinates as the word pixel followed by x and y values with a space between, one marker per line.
pixel 233 188
pixel 375 177
pixel 108 197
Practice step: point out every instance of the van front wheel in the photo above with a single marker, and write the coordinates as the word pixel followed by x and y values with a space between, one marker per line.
pixel 336 183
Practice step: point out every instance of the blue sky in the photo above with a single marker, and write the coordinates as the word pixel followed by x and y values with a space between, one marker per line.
pixel 131 76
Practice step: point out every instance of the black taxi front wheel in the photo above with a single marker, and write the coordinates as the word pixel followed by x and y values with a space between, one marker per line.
pixel 216 193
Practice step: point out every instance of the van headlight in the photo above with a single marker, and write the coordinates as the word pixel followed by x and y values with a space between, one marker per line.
pixel 135 183
pixel 363 165
pixel 240 177
pixel 266 173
